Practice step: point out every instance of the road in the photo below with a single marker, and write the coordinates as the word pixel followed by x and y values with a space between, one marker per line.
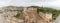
pixel 57 20
pixel 2 19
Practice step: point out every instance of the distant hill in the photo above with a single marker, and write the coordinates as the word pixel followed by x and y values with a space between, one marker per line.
pixel 12 8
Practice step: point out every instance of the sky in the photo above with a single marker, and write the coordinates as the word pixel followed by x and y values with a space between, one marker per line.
pixel 45 3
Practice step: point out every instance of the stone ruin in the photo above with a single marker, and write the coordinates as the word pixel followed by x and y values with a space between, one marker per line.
pixel 30 15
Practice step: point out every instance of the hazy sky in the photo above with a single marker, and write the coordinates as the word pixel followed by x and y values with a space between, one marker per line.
pixel 48 3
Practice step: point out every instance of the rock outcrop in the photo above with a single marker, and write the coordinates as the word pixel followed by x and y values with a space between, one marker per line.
pixel 29 15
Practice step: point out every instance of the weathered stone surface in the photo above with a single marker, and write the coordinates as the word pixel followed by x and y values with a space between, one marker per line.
pixel 29 15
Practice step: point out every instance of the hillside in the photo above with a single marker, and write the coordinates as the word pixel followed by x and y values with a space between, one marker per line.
pixel 31 13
